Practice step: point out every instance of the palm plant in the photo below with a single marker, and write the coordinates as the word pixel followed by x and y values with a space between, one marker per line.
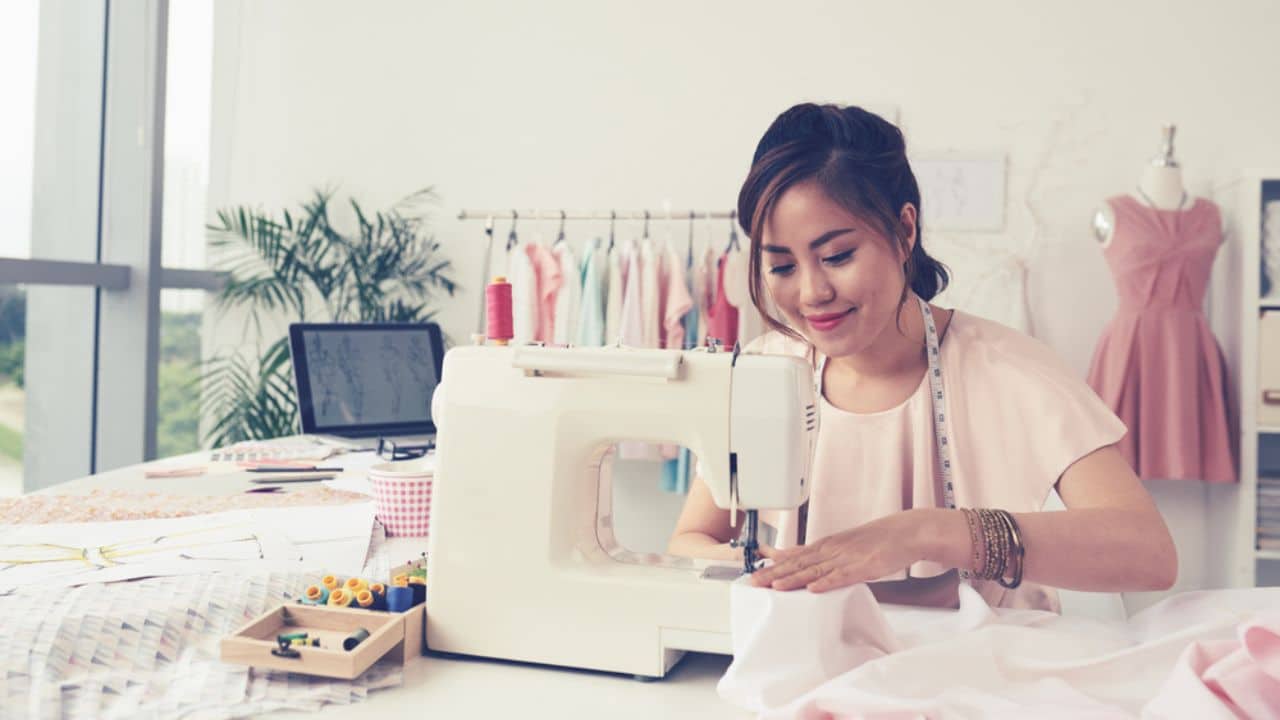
pixel 302 267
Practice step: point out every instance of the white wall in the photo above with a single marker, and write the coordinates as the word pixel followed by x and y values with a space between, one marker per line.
pixel 595 105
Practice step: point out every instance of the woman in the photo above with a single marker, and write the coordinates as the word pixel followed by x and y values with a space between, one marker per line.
pixel 941 433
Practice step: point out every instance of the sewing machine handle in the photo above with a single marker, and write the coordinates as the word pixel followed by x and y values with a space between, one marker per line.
pixel 604 361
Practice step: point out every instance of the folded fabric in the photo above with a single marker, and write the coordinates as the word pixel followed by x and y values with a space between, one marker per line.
pixel 785 644
pixel 1238 677
pixel 1208 654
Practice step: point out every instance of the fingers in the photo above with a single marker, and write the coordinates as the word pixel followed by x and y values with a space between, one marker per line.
pixel 834 580
pixel 808 568
pixel 786 564
pixel 801 578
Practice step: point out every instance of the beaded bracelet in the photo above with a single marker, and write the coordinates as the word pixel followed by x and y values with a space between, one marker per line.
pixel 999 551
pixel 975 543
pixel 1017 550
pixel 995 564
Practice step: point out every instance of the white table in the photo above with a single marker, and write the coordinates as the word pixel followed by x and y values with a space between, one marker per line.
pixel 437 686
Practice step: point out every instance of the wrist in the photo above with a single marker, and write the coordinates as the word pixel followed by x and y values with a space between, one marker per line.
pixel 942 537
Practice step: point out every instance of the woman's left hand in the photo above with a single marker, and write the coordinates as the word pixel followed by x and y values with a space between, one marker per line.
pixel 865 553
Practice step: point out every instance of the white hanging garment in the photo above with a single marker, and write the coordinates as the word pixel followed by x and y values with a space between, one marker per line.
pixel 524 296
pixel 650 293
pixel 988 283
pixel 569 300
pixel 615 282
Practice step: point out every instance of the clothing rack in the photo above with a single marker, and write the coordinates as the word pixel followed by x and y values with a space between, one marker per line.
pixel 492 215
pixel 516 215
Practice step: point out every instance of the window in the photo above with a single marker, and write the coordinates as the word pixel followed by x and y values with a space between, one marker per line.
pixel 18 32
pixel 80 189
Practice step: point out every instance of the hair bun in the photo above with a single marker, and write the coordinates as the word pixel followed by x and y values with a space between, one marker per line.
pixel 851 129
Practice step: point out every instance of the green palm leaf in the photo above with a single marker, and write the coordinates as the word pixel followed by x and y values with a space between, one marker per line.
pixel 387 270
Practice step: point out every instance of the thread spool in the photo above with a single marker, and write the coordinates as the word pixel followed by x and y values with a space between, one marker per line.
pixel 399 598
pixel 340 598
pixel 497 303
pixel 331 582
pixel 354 639
pixel 355 585
pixel 379 596
pixel 315 595
pixel 418 587
pixel 364 599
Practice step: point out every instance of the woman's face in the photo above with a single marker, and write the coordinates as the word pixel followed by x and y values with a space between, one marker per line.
pixel 835 278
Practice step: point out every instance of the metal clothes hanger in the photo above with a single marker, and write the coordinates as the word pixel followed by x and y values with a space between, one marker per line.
pixel 560 235
pixel 688 262
pixel 512 237
pixel 733 232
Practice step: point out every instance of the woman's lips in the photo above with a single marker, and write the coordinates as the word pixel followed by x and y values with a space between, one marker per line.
pixel 826 322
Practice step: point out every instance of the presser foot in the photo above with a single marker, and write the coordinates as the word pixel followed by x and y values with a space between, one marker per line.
pixel 750 560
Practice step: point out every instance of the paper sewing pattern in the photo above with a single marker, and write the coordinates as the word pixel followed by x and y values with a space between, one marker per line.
pixel 71 554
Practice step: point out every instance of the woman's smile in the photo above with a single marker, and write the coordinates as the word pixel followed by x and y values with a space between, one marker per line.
pixel 828 321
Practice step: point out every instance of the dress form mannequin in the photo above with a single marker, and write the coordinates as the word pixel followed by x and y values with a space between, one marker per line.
pixel 1160 187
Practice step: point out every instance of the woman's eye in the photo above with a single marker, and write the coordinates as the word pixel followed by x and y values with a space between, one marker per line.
pixel 838 258
pixel 782 269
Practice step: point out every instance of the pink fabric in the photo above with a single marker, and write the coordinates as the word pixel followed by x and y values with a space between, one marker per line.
pixel 632 330
pixel 678 302
pixel 1018 419
pixel 633 335
pixel 1206 655
pixel 1157 364
pixel 722 316
pixel 548 279
pixel 1227 678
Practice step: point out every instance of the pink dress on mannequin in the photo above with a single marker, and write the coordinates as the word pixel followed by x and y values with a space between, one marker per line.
pixel 1157 364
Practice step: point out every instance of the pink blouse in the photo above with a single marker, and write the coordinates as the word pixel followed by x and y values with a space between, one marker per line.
pixel 1019 419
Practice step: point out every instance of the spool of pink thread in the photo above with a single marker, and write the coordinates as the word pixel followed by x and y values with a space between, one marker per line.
pixel 497 308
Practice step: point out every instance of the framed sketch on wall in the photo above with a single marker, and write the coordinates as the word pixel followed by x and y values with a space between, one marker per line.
pixel 962 192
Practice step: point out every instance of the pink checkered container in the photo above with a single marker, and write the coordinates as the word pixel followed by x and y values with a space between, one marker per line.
pixel 402 495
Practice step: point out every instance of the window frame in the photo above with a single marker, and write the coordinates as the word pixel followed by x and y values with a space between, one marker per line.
pixel 105 234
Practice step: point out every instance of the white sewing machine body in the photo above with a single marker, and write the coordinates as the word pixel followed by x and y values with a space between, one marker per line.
pixel 520 565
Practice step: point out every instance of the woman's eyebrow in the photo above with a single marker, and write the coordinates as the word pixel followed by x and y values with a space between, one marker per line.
pixel 822 239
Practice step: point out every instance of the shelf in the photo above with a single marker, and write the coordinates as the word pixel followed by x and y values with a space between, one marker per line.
pixel 1267 554
pixel 1269 303
pixel 1269 429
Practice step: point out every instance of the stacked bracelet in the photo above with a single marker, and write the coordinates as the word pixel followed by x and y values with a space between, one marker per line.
pixel 1016 550
pixel 997 546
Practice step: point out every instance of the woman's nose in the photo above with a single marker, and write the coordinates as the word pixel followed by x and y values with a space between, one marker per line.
pixel 815 290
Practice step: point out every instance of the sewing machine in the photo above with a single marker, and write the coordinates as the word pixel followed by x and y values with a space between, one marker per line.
pixel 522 561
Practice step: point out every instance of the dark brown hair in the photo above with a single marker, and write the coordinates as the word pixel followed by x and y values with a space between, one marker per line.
pixel 860 160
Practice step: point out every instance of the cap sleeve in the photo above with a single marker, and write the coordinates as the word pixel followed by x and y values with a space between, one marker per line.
pixel 1023 418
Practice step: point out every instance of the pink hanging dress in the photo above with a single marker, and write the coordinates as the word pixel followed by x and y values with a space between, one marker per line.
pixel 1157 364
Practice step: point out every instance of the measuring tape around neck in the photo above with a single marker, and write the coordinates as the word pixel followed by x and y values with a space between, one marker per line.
pixel 939 399
pixel 938 396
